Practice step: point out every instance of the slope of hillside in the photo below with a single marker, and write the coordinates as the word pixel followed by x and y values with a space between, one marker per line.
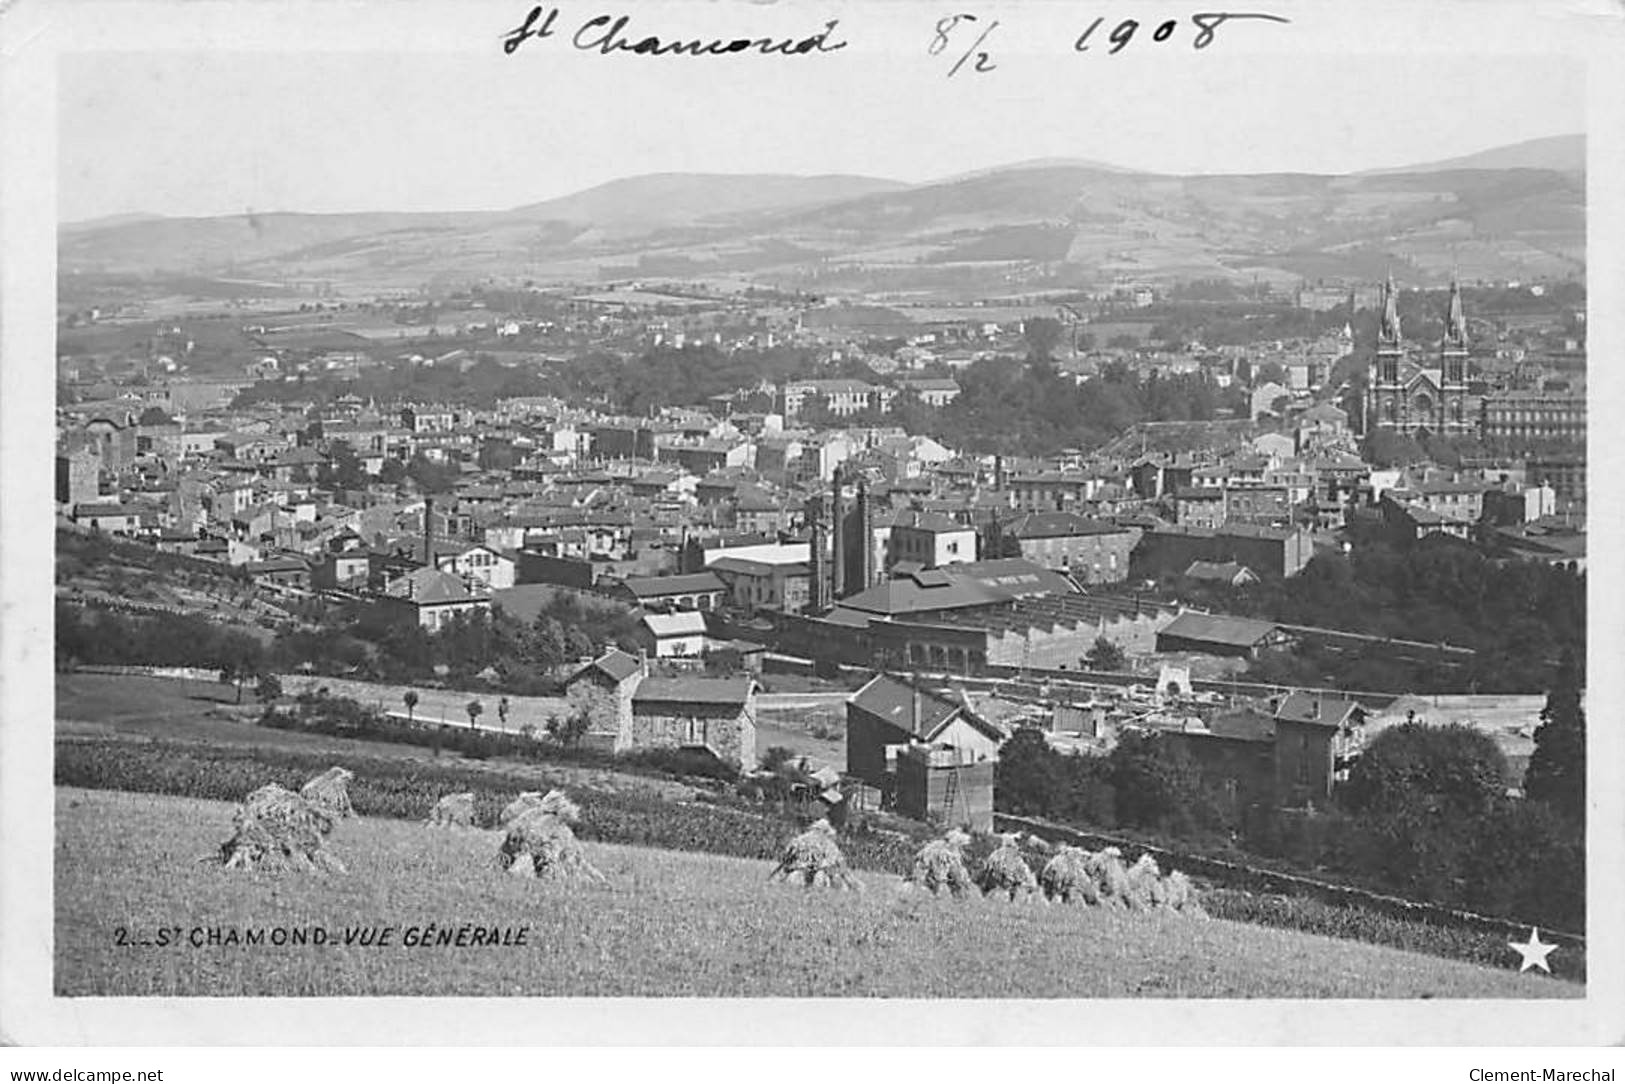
pixel 666 924
pixel 681 198
pixel 1066 223
pixel 1563 153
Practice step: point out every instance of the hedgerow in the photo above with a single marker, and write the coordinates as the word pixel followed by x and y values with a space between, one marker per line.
pixel 407 791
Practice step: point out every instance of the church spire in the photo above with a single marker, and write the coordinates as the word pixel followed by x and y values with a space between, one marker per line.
pixel 1455 323
pixel 1388 327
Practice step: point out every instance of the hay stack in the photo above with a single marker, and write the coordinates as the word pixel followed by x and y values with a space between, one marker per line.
pixel 541 844
pixel 1005 870
pixel 453 811
pixel 276 829
pixel 330 792
pixel 521 805
pixel 940 864
pixel 1144 887
pixel 1180 895
pixel 1070 877
pixel 1110 876
pixel 813 859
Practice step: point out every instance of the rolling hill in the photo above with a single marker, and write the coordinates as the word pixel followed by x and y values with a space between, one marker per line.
pixel 1516 211
pixel 1563 153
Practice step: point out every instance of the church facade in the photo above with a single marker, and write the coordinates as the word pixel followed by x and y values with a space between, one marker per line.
pixel 1410 394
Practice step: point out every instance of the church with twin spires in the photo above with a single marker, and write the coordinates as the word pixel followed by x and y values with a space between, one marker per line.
pixel 1407 395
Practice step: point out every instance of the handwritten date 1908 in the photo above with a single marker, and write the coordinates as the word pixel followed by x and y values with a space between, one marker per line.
pixel 1204 23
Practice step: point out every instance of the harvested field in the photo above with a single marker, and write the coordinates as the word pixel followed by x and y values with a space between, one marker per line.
pixel 666 924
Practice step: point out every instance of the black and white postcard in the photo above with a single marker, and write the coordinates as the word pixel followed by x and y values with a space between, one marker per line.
pixel 1006 522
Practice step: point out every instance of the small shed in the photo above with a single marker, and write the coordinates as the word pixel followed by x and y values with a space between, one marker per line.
pixel 940 783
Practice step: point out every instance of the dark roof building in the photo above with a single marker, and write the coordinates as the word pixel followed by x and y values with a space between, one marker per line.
pixel 1219 634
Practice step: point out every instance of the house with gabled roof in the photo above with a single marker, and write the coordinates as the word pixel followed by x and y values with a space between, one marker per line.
pixel 716 714
pixel 430 598
pixel 891 713
pixel 679 634
pixel 1316 738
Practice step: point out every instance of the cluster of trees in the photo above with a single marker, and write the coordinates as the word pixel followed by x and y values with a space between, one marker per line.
pixel 1142 783
pixel 679 376
pixel 480 649
pixel 1012 407
pixel 1239 324
pixel 97 637
pixel 1425 812
pixel 1519 616
pixel 480 385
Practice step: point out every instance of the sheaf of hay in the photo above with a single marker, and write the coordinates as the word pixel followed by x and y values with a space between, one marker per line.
pixel 276 829
pixel 540 843
pixel 1181 897
pixel 813 859
pixel 517 808
pixel 331 792
pixel 940 865
pixel 453 811
pixel 1070 877
pixel 1111 877
pixel 1006 871
pixel 1144 889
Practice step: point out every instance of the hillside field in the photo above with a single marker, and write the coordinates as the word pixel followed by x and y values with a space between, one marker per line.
pixel 667 924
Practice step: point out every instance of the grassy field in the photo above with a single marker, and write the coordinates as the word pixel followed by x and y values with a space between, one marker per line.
pixel 667 924
pixel 97 708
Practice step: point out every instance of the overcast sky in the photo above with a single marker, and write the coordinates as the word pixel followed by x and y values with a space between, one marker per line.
pixel 221 133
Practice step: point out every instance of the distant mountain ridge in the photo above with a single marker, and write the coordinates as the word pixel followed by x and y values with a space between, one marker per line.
pixel 1562 153
pixel 1516 211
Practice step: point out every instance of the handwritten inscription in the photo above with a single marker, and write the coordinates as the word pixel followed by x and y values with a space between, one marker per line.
pixel 610 34
pixel 963 36
pixel 1205 24
pixel 945 28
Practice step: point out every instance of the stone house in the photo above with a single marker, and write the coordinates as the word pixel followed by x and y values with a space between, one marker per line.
pixel 628 709
pixel 717 714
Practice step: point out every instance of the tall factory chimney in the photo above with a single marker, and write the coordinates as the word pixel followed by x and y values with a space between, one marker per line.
pixel 866 540
pixel 428 531
pixel 818 564
pixel 838 527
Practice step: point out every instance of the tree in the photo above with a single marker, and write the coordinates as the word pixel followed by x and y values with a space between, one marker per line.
pixel 578 644
pixel 1434 772
pixel 474 709
pixel 1105 655
pixel 232 673
pixel 1158 786
pixel 1027 775
pixel 269 687
pixel 569 729
pixel 1042 334
pixel 411 699
pixel 1557 768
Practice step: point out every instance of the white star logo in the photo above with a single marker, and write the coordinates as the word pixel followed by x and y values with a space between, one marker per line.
pixel 1534 952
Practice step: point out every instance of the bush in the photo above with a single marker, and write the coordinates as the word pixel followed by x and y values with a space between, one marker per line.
pixel 1158 786
pixel 1448 771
